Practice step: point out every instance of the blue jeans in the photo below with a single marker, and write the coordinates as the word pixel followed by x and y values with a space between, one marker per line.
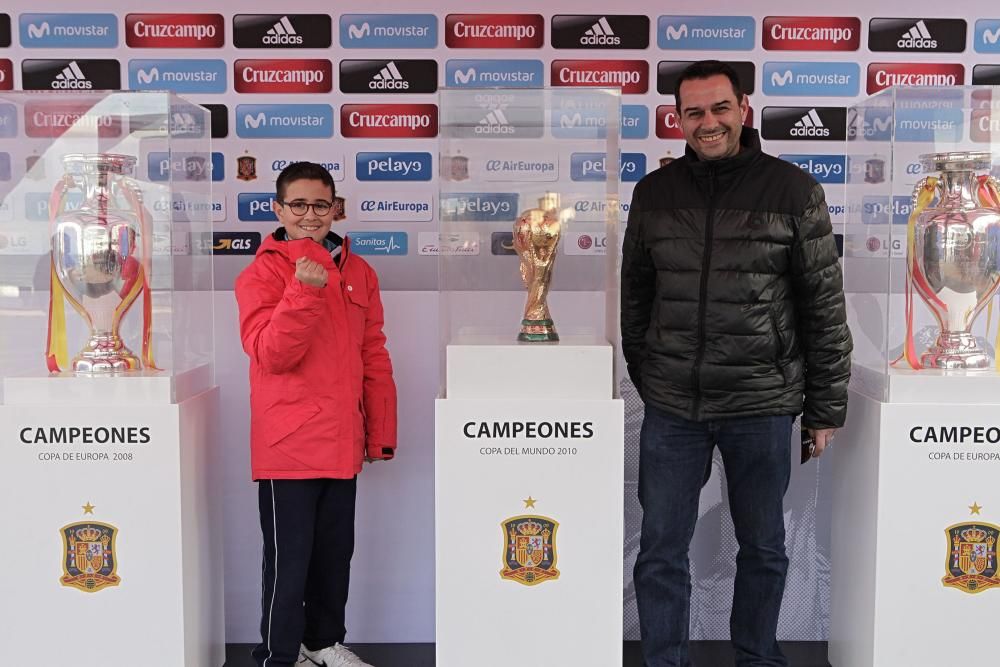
pixel 675 454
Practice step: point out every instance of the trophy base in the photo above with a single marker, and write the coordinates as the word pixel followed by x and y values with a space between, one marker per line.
pixel 955 351
pixel 538 331
pixel 105 354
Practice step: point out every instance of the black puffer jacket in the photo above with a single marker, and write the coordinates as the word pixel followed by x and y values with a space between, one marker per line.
pixel 732 293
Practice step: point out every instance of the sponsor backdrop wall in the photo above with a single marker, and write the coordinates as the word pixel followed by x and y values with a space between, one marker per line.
pixel 354 88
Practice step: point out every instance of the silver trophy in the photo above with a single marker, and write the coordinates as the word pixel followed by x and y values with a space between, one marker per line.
pixel 955 262
pixel 97 256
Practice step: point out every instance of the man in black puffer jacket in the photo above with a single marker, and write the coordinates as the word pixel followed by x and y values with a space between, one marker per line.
pixel 733 322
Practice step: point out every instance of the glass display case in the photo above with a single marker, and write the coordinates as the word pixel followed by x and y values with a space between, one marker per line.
pixel 105 236
pixel 922 239
pixel 528 239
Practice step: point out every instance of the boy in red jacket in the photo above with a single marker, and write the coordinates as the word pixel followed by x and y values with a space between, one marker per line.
pixel 322 401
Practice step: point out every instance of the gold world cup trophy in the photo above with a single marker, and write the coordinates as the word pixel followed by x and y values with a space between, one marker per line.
pixel 536 238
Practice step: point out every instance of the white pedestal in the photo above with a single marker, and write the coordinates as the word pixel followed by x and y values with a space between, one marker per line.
pixel 897 491
pixel 140 464
pixel 492 454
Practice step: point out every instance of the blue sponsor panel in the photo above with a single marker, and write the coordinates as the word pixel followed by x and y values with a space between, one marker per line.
pixel 393 166
pixel 824 168
pixel 986 36
pixel 479 207
pixel 388 31
pixel 69 31
pixel 812 79
pixel 179 76
pixel 379 243
pixel 929 125
pixel 8 120
pixel 635 121
pixel 185 166
pixel 255 207
pixel 470 73
pixel 881 210
pixel 591 167
pixel 706 33
pixel 36 204
pixel 281 121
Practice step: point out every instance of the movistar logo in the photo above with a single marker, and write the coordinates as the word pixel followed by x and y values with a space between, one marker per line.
pixel 254 121
pixel 466 76
pixel 359 32
pixel 147 77
pixel 39 31
pixel 677 33
pixel 781 79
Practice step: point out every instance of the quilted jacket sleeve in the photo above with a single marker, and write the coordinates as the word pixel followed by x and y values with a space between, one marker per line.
pixel 638 287
pixel 379 386
pixel 822 316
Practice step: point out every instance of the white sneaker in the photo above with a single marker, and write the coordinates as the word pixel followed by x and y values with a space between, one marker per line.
pixel 337 655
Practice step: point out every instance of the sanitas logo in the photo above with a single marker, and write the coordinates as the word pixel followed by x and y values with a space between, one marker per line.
pixel 917 34
pixel 388 76
pixel 494 73
pixel 393 167
pixel 706 33
pixel 805 79
pixel 283 76
pixel 608 31
pixel 632 76
pixel 69 30
pixel 282 31
pixel 70 74
pixel 388 31
pixel 814 123
pixel 494 31
pixel 884 75
pixel 987 36
pixel 811 33
pixel 273 121
pixel 175 31
pixel 181 76
pixel 389 120
pixel 378 243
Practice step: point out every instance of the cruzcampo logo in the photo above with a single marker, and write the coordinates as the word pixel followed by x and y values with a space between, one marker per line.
pixel 971 564
pixel 529 553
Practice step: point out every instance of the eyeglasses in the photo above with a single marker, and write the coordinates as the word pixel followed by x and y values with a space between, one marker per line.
pixel 301 208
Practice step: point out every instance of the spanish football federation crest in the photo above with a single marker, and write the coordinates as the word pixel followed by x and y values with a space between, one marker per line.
pixel 972 557
pixel 89 557
pixel 246 168
pixel 529 555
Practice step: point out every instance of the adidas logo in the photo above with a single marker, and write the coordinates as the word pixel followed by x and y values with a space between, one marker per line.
pixel 495 122
pixel 71 78
pixel 283 32
pixel 182 122
pixel 600 34
pixel 389 79
pixel 917 37
pixel 810 125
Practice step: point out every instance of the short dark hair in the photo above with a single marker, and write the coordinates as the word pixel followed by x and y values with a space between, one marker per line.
pixel 702 70
pixel 298 171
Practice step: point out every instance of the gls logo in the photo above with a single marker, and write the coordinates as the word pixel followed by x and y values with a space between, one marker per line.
pixel 388 76
pixel 175 31
pixel 235 243
pixel 986 36
pixel 808 79
pixel 179 76
pixel 591 167
pixel 69 30
pixel 824 168
pixel 921 35
pixel 272 121
pixel 282 31
pixel 70 74
pixel 494 73
pixel 706 33
pixel 388 31
pixel 393 167
pixel 811 123
pixel 608 31
pixel 379 243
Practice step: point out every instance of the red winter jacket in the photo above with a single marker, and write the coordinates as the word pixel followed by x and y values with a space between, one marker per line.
pixel 322 395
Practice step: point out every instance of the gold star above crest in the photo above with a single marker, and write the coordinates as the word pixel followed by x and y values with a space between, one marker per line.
pixel 974 508
pixel 88 508
pixel 529 502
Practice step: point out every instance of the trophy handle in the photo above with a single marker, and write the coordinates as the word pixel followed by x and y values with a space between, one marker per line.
pixel 141 282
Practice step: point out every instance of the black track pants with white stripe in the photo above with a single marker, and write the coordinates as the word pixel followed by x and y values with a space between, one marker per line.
pixel 308 529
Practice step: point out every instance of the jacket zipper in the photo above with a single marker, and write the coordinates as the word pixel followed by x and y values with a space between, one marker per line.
pixel 779 348
pixel 706 262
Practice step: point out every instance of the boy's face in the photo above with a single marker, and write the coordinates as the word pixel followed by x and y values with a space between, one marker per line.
pixel 308 224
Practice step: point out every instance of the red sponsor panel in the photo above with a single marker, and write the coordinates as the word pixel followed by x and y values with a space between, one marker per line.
pixel 884 75
pixel 811 33
pixel 668 124
pixel 54 119
pixel 985 125
pixel 283 76
pixel 398 121
pixel 175 31
pixel 6 74
pixel 494 31
pixel 632 76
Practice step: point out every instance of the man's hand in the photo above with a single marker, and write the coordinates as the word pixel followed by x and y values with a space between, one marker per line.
pixel 821 437
pixel 310 273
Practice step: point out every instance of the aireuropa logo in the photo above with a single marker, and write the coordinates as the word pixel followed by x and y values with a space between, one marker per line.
pixel 592 167
pixel 70 74
pixel 668 125
pixel 280 121
pixel 283 76
pixel 179 76
pixel 494 31
pixel 667 72
pixel 804 123
pixel 986 36
pixel 255 207
pixel 6 74
pixel 824 168
pixel 494 74
pixel 396 208
pixel 8 120
pixel 632 76
pixel 388 76
pixel 393 166
pixel 235 243
pixel 388 31
pixel 986 75
pixel 448 243
pixel 69 31
pixel 5 32
pixel 479 207
pixel 811 79
pixel 811 33
pixel 884 75
pixel 162 166
pixel 513 167
pixel 282 31
pixel 917 35
pixel 600 31
pixel 175 31
pixel 391 121
pixel 379 243
pixel 706 33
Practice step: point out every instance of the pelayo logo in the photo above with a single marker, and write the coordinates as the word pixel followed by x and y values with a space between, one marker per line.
pixel 592 167
pixel 479 207
pixel 393 166
pixel 824 168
